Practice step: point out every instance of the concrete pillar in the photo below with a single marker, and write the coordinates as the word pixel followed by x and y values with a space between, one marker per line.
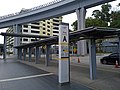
pixel 72 48
pixel 119 49
pixel 81 45
pixel 17 29
pixel 64 61
pixel 24 53
pixel 37 55
pixel 20 54
pixel 40 52
pixel 50 53
pixel 47 55
pixel 5 51
pixel 92 56
pixel 30 54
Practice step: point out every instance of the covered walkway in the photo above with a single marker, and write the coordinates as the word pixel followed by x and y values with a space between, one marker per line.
pixel 91 34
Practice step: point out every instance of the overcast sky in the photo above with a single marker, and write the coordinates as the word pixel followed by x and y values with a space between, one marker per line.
pixel 12 6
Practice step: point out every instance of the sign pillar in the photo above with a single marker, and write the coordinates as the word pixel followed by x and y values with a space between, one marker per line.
pixel 64 62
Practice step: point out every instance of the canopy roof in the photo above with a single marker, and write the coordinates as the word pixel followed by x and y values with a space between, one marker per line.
pixel 87 33
pixel 23 35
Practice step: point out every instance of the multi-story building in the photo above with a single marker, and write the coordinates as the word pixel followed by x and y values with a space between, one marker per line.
pixel 46 27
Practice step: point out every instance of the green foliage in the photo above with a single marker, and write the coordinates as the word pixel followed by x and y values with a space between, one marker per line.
pixel 74 25
pixel 103 18
pixel 95 22
pixel 115 22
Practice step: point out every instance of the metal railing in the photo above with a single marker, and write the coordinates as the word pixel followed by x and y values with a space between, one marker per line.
pixel 23 11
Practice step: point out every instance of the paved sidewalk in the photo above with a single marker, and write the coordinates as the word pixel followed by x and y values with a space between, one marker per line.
pixel 108 77
pixel 18 76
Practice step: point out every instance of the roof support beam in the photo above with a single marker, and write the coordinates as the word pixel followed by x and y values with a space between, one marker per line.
pixel 5 49
pixel 37 55
pixel 92 57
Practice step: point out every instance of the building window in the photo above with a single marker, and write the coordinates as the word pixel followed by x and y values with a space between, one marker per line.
pixel 54 35
pixel 25 39
pixel 48 30
pixel 43 24
pixel 35 23
pixel 32 40
pixel 43 28
pixel 56 28
pixel 34 31
pixel 48 26
pixel 48 22
pixel 55 20
pixel 25 30
pixel 34 27
pixel 48 34
pixel 25 26
pixel 55 31
pixel 55 24
pixel 43 32
pixel 43 20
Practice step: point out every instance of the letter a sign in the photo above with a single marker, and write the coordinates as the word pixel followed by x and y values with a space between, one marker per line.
pixel 64 40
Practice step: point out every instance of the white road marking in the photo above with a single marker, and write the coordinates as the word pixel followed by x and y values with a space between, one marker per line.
pixel 26 77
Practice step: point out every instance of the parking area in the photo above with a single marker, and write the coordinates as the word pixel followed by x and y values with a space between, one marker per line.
pixel 18 76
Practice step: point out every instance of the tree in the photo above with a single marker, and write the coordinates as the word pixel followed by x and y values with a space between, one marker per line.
pixel 74 25
pixel 115 22
pixel 115 18
pixel 91 22
pixel 95 22
pixel 100 18
pixel 104 13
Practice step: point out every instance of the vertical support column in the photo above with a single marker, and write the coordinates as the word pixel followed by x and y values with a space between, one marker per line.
pixel 40 52
pixel 37 55
pixel 64 62
pixel 17 29
pixel 47 55
pixel 50 53
pixel 24 53
pixel 5 51
pixel 119 49
pixel 92 56
pixel 72 48
pixel 30 54
pixel 20 54
pixel 81 45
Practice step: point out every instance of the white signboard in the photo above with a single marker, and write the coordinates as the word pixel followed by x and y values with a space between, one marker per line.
pixel 64 53
pixel 64 41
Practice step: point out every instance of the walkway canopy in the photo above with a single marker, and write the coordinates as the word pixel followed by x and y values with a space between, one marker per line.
pixel 23 35
pixel 91 33
pixel 87 33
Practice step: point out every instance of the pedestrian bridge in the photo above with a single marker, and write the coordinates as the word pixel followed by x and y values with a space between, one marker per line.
pixel 52 9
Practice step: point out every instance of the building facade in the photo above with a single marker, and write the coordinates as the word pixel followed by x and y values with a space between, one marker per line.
pixel 46 28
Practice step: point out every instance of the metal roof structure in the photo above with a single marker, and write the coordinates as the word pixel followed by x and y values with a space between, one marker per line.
pixel 23 35
pixel 87 33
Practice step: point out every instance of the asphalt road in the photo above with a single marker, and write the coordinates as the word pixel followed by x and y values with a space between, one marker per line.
pixel 18 76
